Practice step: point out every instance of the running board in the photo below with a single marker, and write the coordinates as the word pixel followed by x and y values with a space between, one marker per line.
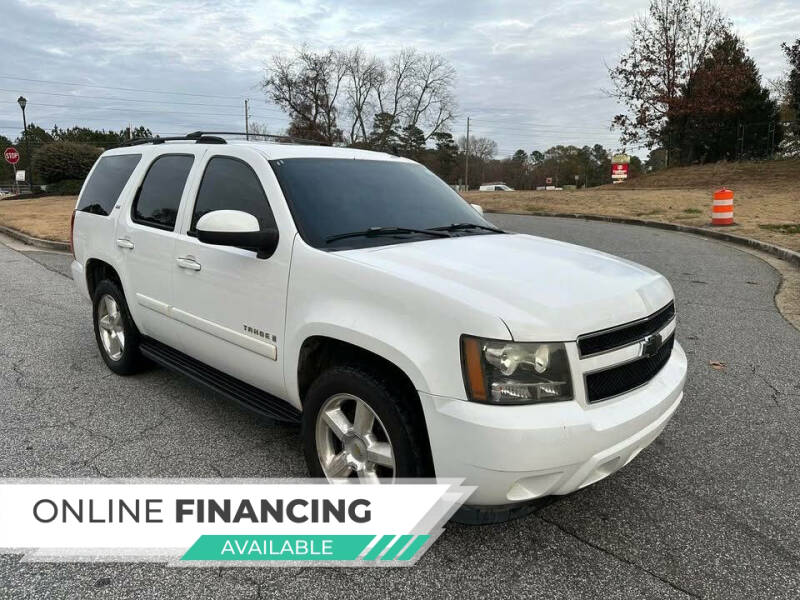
pixel 248 396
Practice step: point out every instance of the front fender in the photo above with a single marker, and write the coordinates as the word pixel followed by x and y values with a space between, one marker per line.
pixel 414 326
pixel 351 336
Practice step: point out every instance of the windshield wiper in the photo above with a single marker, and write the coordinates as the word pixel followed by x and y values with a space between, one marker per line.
pixel 460 226
pixel 376 231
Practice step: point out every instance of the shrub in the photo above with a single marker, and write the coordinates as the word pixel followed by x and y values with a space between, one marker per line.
pixel 64 160
pixel 65 187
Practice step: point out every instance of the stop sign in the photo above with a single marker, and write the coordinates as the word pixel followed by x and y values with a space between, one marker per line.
pixel 11 155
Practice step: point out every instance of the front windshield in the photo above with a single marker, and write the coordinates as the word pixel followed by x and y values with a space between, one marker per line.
pixel 332 196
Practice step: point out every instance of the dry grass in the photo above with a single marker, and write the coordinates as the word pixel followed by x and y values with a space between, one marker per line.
pixel 767 199
pixel 46 217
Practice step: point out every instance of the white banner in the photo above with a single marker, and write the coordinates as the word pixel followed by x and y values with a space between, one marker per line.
pixel 185 522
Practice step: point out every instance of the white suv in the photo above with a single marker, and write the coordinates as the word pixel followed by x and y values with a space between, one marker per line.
pixel 355 292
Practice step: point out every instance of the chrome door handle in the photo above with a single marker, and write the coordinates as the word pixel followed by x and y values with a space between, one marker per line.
pixel 187 262
pixel 125 243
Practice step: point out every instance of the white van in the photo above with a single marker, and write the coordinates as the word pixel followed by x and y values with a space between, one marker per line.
pixel 496 187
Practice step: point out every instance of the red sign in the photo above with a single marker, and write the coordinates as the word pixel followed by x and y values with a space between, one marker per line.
pixel 548 180
pixel 12 156
pixel 619 171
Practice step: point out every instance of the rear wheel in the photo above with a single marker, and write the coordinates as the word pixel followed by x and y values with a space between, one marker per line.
pixel 358 427
pixel 114 329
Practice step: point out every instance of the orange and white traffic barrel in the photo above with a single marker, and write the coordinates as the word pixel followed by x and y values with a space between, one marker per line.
pixel 722 207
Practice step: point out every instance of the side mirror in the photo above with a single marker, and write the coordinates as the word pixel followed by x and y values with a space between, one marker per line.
pixel 237 228
pixel 477 207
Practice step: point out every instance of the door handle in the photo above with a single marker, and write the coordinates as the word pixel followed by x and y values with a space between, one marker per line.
pixel 125 243
pixel 187 262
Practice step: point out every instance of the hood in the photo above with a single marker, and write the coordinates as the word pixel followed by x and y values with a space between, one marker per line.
pixel 544 290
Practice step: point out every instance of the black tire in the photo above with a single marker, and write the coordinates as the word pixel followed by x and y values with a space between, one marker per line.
pixel 401 422
pixel 130 361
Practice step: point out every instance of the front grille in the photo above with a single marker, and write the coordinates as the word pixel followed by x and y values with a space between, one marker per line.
pixel 622 335
pixel 623 378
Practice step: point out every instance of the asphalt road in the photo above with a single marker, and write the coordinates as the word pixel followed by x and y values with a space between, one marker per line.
pixel 711 509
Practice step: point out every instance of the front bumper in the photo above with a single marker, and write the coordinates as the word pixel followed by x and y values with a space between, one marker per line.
pixel 517 453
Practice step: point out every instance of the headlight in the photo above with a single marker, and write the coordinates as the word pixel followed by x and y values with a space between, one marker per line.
pixel 498 372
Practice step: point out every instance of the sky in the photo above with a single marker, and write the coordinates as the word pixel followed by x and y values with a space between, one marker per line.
pixel 530 74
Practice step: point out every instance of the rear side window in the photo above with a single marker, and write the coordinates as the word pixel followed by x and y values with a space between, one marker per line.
pixel 106 183
pixel 159 197
pixel 231 184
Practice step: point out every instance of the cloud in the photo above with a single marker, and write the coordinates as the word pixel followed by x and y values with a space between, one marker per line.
pixel 530 74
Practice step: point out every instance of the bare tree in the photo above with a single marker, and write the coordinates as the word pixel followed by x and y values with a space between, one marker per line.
pixel 257 129
pixel 322 90
pixel 364 76
pixel 430 100
pixel 666 47
pixel 417 90
pixel 482 148
pixel 308 87
pixel 394 85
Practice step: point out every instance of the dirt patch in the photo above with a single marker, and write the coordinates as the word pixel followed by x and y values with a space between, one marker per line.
pixel 46 218
pixel 769 212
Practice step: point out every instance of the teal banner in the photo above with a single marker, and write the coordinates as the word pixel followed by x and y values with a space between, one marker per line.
pixel 305 547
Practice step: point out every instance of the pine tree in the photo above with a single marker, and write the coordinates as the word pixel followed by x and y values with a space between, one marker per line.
pixel 724 112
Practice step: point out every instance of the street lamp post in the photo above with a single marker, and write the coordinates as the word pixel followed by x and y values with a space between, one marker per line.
pixel 22 103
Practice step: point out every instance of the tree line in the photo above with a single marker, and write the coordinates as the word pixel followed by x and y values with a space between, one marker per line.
pixel 406 105
pixel 63 155
pixel 692 94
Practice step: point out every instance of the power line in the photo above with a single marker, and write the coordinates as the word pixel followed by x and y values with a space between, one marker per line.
pixel 115 98
pixel 534 124
pixel 140 110
pixel 276 110
pixel 522 127
pixel 123 89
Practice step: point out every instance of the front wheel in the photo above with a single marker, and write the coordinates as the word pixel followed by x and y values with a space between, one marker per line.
pixel 357 427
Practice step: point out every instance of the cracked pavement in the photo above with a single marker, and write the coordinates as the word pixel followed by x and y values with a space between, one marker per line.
pixel 711 509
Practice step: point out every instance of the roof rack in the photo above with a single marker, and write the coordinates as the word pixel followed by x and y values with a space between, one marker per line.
pixel 212 137
pixel 285 139
pixel 197 137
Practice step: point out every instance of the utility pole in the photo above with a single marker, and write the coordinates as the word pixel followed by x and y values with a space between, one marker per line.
pixel 741 152
pixel 466 162
pixel 246 120
pixel 740 141
pixel 772 127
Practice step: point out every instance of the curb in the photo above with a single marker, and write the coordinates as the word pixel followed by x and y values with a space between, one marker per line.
pixel 789 256
pixel 34 241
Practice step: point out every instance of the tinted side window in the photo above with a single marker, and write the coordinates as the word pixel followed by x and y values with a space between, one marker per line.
pixel 106 183
pixel 231 184
pixel 159 197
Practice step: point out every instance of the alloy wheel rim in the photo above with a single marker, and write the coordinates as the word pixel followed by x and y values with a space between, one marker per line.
pixel 112 331
pixel 352 442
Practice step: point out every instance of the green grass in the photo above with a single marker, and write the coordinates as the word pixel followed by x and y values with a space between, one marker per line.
pixel 788 228
pixel 693 211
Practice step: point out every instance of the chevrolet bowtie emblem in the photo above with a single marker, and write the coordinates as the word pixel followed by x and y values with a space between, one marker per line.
pixel 650 345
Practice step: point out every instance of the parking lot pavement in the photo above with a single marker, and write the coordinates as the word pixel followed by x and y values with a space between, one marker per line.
pixel 711 509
